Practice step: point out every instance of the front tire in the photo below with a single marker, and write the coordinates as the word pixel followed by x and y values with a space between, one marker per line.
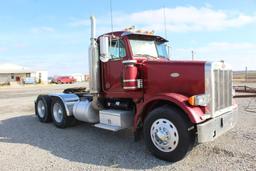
pixel 59 114
pixel 166 134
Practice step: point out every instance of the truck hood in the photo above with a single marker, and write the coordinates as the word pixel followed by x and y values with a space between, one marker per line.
pixel 185 77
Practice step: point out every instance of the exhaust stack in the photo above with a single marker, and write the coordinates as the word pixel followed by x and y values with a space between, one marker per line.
pixel 94 60
pixel 93 27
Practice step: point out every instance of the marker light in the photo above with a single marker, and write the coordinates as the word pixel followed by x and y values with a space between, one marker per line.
pixel 199 100
pixel 140 31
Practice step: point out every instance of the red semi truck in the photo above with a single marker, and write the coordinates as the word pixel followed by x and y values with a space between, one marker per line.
pixel 134 84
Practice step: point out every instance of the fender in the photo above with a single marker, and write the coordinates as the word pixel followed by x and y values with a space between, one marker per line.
pixel 193 113
pixel 68 100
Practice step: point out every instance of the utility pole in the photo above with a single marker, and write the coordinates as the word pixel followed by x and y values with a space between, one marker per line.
pixel 193 54
pixel 246 74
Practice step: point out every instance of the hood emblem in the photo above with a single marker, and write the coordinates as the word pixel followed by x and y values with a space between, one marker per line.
pixel 175 74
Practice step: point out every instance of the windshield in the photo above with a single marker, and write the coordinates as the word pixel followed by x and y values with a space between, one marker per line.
pixel 148 48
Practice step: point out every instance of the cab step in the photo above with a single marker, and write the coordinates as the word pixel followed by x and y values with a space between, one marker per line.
pixel 108 127
pixel 115 120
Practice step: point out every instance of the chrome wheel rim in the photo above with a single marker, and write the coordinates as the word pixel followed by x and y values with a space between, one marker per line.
pixel 58 112
pixel 164 135
pixel 41 109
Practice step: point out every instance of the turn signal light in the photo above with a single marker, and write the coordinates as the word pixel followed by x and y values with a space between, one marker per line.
pixel 191 100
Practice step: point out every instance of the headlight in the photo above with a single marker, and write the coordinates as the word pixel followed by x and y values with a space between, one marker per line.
pixel 199 100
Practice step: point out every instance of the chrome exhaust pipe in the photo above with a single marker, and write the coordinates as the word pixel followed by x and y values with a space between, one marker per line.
pixel 93 29
pixel 94 67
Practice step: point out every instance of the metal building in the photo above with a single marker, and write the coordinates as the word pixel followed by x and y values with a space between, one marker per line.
pixel 15 74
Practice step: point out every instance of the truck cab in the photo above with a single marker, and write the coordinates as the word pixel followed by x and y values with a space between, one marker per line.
pixel 128 48
pixel 135 84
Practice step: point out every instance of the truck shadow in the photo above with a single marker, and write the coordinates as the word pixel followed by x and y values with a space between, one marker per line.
pixel 83 143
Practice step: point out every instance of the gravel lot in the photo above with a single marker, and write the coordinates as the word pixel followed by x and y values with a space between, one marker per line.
pixel 27 144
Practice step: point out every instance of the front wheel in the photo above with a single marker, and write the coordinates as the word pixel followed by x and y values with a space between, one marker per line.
pixel 166 134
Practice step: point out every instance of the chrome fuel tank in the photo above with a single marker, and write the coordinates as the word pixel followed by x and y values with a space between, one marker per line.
pixel 83 111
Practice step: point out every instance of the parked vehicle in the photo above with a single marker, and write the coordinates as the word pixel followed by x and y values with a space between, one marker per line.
pixel 133 83
pixel 64 80
pixel 50 80
pixel 29 80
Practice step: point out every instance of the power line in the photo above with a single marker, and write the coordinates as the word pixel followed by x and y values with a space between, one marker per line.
pixel 111 15
pixel 165 30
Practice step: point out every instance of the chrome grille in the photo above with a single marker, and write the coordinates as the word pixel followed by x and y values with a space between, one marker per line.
pixel 223 89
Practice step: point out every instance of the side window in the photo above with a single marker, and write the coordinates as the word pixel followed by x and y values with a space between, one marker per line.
pixel 162 50
pixel 117 49
pixel 114 50
pixel 122 52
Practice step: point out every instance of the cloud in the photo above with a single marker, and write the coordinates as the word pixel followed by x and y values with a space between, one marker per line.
pixel 3 49
pixel 20 45
pixel 79 23
pixel 184 19
pixel 48 61
pixel 179 19
pixel 43 29
pixel 238 55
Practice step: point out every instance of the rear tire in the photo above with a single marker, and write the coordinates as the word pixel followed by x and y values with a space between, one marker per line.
pixel 43 108
pixel 166 134
pixel 59 114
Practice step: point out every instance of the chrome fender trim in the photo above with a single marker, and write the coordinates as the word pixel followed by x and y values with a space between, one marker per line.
pixel 68 100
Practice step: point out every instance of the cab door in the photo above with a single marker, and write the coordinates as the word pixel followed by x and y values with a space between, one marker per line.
pixel 112 70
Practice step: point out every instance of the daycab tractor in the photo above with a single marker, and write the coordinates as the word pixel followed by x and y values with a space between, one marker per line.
pixel 133 83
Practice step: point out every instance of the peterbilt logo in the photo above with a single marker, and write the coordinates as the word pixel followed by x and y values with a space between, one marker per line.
pixel 174 74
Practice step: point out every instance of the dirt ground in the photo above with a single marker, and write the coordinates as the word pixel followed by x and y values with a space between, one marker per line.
pixel 27 144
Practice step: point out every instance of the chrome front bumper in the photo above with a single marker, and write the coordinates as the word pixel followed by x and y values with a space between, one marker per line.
pixel 213 128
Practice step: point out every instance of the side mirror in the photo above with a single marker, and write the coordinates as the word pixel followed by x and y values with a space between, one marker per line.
pixel 104 49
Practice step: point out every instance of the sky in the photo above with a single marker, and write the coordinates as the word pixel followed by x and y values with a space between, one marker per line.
pixel 54 35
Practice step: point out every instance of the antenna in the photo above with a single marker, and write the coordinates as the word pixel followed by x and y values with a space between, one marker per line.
pixel 193 55
pixel 165 31
pixel 111 15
